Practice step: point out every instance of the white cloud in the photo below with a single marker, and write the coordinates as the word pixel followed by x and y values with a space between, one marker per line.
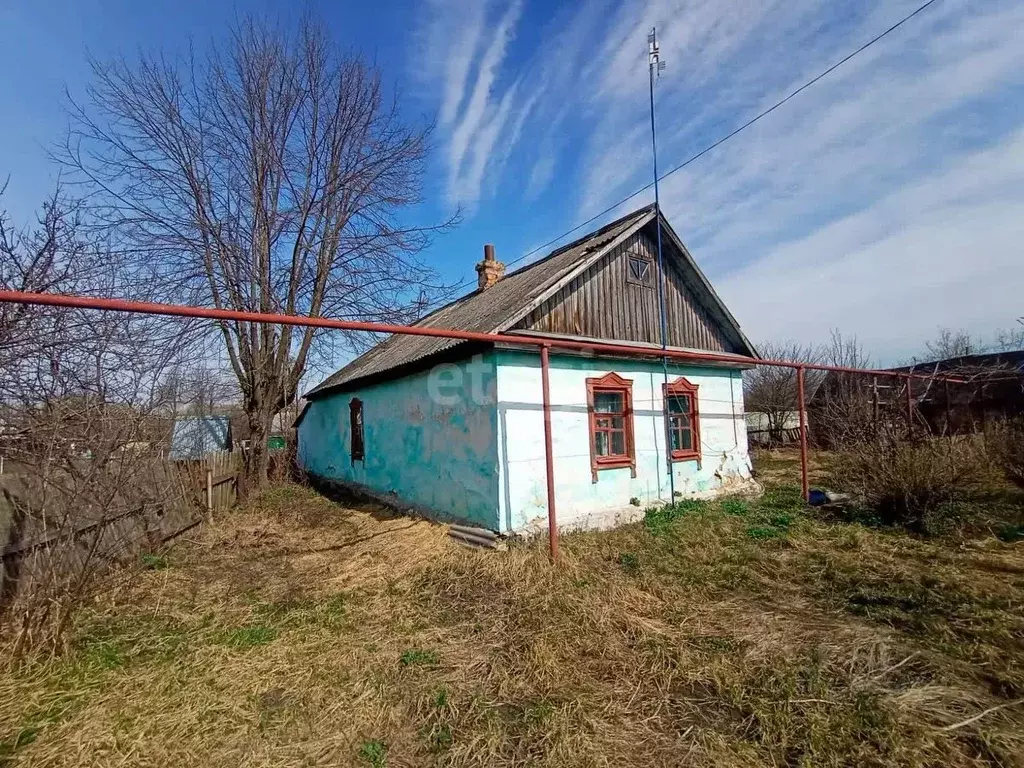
pixel 540 176
pixel 918 102
pixel 460 52
pixel 944 251
pixel 466 50
pixel 857 160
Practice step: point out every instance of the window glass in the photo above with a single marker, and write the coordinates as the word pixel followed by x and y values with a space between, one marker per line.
pixel 611 425
pixel 682 438
pixel 683 424
pixel 678 403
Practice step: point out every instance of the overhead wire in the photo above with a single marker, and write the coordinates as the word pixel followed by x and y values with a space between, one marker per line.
pixel 714 145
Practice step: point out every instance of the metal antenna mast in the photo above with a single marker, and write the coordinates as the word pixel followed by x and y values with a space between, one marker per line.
pixel 655 67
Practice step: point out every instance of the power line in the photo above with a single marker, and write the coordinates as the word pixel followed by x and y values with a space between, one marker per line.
pixel 728 136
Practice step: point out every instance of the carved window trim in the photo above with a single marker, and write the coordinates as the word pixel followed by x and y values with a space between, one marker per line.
pixel 611 383
pixel 683 421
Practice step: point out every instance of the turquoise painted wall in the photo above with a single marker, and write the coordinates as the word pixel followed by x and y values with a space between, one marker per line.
pixel 431 440
pixel 523 498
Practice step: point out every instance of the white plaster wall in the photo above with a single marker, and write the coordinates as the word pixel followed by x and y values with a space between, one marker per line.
pixel 579 501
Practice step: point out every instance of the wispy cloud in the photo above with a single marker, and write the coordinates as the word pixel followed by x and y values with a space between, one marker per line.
pixel 943 251
pixel 466 47
pixel 560 114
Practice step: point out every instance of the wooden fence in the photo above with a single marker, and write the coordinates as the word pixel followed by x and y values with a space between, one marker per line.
pixel 213 480
pixel 35 554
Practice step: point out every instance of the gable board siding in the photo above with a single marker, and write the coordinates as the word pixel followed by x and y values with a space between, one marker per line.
pixel 602 303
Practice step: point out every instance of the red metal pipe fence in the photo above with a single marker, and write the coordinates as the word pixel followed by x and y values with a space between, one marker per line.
pixel 545 344
pixel 802 408
pixel 209 313
pixel 549 454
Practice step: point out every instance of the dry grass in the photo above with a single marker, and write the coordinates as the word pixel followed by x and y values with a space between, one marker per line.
pixel 782 465
pixel 301 632
pixel 916 484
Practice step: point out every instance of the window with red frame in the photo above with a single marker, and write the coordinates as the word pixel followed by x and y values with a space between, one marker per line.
pixel 683 419
pixel 610 404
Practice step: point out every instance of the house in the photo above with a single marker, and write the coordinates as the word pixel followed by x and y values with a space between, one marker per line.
pixel 455 430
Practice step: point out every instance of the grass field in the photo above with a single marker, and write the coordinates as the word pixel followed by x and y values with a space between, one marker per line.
pixel 299 632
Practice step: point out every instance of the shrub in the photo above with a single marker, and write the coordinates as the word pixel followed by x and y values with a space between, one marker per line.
pixel 912 484
pixel 1004 442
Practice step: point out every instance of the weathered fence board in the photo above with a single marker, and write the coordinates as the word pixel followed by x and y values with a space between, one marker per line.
pixel 35 550
pixel 212 482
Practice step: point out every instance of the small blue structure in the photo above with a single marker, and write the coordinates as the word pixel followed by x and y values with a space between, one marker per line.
pixel 197 437
pixel 455 430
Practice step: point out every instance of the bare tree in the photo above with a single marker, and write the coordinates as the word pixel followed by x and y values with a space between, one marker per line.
pixel 79 392
pixel 950 343
pixel 843 409
pixel 1010 340
pixel 268 177
pixel 772 391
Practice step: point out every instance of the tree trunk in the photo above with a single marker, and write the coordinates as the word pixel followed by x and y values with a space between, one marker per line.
pixel 257 460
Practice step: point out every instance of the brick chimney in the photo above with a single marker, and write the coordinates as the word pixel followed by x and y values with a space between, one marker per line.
pixel 489 271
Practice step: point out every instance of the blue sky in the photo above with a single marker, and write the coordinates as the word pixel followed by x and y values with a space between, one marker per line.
pixel 885 201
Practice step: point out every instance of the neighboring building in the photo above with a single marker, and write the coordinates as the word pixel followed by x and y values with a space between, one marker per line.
pixel 455 429
pixel 854 406
pixel 992 389
pixel 770 429
pixel 197 437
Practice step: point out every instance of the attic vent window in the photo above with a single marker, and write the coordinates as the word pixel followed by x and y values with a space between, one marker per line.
pixel 639 270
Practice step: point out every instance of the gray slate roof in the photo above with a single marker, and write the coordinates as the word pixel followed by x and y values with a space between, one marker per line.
pixel 491 311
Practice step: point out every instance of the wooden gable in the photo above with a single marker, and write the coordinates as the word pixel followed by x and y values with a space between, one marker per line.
pixel 616 299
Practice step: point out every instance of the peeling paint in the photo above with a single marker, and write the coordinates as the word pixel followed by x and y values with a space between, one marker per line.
pixel 435 457
pixel 479 457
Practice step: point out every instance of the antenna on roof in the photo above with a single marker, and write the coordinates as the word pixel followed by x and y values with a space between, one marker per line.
pixel 655 66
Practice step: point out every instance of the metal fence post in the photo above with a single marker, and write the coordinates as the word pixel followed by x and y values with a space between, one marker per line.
pixel 549 458
pixel 802 407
